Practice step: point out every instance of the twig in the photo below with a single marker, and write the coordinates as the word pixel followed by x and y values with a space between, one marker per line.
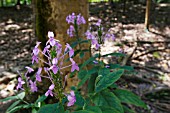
pixel 150 51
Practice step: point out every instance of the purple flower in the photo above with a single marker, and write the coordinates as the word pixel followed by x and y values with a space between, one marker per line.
pixel 95 62
pixel 113 37
pixel 36 50
pixel 49 92
pixel 80 19
pixel 46 49
pixel 71 31
pixel 70 18
pixel 89 35
pixel 107 66
pixel 74 65
pixel 71 51
pixel 54 67
pixel 33 86
pixel 50 34
pixel 38 76
pixel 71 98
pixel 99 22
pixel 20 83
pixel 29 69
pixel 54 61
pixel 95 42
pixel 51 39
pixel 34 58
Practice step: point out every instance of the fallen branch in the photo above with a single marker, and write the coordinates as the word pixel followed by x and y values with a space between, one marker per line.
pixel 150 51
pixel 148 69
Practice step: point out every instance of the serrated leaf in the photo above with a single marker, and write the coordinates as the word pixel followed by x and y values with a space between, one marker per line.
pixel 106 98
pixel 51 108
pixel 129 97
pixel 106 109
pixel 108 80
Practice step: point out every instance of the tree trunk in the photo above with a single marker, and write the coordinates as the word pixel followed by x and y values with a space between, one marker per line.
pixel 51 16
pixel 147 13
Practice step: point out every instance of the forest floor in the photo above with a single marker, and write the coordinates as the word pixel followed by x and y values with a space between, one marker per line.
pixel 148 51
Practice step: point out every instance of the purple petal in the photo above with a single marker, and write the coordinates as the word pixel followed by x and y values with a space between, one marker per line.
pixel 38 77
pixel 54 61
pixel 52 87
pixel 54 69
pixel 71 53
pixel 29 69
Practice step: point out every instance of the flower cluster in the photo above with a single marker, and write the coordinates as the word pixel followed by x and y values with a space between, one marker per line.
pixel 74 20
pixel 100 37
pixel 54 65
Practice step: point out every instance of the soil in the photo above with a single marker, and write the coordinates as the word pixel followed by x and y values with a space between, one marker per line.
pixel 148 51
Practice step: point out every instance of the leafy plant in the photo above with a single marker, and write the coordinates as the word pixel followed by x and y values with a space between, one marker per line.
pixel 102 95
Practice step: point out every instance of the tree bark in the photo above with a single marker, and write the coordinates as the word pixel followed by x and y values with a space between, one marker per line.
pixel 51 16
pixel 147 13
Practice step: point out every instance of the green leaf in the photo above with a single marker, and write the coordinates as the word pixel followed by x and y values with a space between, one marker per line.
pixel 118 66
pixel 127 110
pixel 129 97
pixel 88 61
pixel 67 111
pixel 79 100
pixel 34 111
pixel 13 105
pixel 114 54
pixel 41 99
pixel 8 98
pixel 106 109
pixel 91 83
pixel 18 96
pixel 82 54
pixel 106 98
pixel 84 75
pixel 95 109
pixel 51 108
pixel 84 111
pixel 16 108
pixel 104 71
pixel 21 95
pixel 108 80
